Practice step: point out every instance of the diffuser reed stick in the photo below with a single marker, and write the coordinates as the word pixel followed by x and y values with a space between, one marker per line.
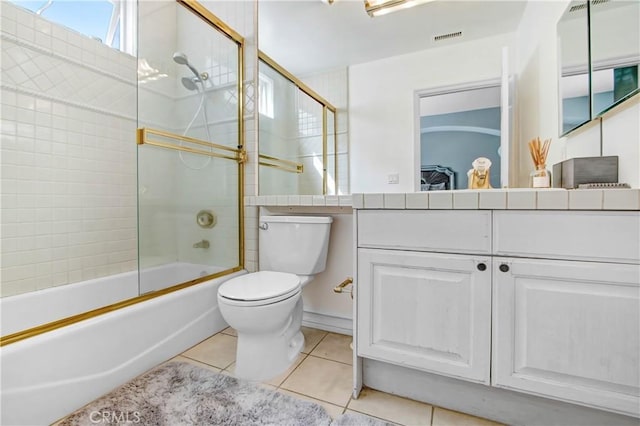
pixel 540 177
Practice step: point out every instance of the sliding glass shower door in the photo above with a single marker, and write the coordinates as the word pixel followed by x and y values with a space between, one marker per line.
pixel 189 146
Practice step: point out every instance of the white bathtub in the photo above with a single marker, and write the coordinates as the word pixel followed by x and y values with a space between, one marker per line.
pixel 43 306
pixel 50 375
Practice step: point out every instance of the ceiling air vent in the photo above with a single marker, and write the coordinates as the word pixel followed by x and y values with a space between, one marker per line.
pixel 578 7
pixel 583 6
pixel 447 36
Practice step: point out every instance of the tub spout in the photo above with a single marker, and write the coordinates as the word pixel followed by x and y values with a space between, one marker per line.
pixel 202 244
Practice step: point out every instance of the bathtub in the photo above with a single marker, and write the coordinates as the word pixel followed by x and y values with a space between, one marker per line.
pixel 43 306
pixel 47 376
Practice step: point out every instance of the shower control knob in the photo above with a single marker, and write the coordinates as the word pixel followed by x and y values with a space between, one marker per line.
pixel 504 267
pixel 482 266
pixel 264 226
pixel 205 219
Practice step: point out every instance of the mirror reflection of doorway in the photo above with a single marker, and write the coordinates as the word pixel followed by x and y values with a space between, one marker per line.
pixel 458 126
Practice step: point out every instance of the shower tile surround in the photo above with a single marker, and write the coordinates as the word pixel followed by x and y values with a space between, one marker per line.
pixel 68 156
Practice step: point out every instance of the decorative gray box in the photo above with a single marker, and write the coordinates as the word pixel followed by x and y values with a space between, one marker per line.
pixel 575 171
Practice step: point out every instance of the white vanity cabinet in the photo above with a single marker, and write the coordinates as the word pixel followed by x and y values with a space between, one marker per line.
pixel 555 313
pixel 568 329
pixel 421 309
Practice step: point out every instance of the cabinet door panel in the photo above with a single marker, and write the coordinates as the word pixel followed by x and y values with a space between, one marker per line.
pixel 426 311
pixel 569 330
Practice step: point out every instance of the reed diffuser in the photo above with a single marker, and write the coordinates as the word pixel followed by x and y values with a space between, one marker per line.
pixel 540 177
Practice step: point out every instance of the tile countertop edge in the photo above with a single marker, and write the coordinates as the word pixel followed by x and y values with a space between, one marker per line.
pixel 508 199
pixel 298 200
pixel 493 199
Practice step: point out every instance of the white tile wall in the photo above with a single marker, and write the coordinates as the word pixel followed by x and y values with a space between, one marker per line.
pixel 68 156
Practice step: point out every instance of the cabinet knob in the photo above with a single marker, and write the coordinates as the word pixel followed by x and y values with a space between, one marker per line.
pixel 481 266
pixel 504 267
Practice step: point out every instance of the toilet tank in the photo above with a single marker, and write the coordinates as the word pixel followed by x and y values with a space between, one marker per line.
pixel 294 244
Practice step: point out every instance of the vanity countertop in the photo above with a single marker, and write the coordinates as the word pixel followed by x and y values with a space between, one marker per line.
pixel 505 199
pixel 487 199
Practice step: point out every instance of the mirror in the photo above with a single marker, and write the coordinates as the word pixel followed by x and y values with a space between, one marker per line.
pixel 573 58
pixel 456 127
pixel 313 37
pixel 615 52
pixel 296 129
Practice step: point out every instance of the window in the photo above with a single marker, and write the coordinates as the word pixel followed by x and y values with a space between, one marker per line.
pixel 265 95
pixel 110 21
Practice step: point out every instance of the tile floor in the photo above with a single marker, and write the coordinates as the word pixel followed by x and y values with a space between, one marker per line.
pixel 323 374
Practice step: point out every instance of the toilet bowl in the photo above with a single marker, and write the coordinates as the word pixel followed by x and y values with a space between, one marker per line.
pixel 265 307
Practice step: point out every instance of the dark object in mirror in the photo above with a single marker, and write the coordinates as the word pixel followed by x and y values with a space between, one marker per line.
pixel 615 52
pixel 436 178
pixel 573 54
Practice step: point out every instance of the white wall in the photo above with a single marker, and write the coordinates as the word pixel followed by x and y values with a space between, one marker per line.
pixel 68 155
pixel 382 112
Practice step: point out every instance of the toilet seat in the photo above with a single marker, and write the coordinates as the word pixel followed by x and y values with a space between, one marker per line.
pixel 259 288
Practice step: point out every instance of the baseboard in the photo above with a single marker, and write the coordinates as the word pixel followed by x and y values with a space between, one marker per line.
pixel 328 323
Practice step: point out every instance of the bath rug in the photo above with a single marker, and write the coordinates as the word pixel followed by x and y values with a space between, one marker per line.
pixel 179 393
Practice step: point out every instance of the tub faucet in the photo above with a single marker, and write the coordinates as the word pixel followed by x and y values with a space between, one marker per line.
pixel 202 244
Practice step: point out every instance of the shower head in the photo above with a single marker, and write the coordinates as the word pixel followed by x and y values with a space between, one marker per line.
pixel 181 58
pixel 189 83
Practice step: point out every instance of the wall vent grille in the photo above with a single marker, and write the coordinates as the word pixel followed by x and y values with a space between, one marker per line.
pixel 447 36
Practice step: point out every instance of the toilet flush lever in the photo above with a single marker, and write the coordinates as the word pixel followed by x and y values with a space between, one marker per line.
pixel 264 226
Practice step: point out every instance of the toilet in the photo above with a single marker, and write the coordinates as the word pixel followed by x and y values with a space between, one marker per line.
pixel 265 307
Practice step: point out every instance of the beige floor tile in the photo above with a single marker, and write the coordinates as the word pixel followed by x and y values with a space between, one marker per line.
pixel 442 417
pixel 181 358
pixel 276 381
pixel 230 331
pixel 379 418
pixel 335 347
pixel 333 410
pixel 312 336
pixel 218 351
pixel 262 385
pixel 391 408
pixel 323 379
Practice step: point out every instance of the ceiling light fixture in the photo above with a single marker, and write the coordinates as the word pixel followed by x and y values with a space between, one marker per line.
pixel 382 7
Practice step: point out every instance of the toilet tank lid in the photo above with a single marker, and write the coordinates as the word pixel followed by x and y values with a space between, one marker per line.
pixel 297 219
